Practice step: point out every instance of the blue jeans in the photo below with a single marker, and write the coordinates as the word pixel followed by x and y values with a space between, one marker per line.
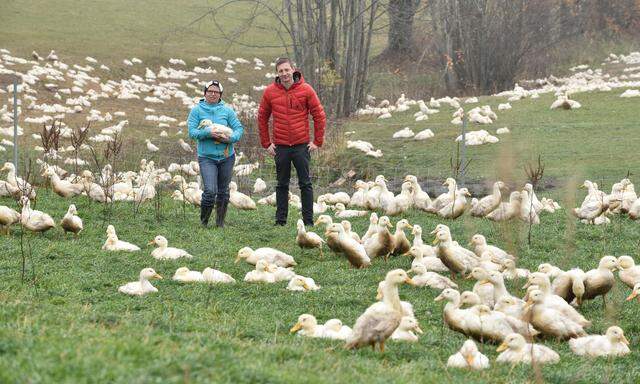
pixel 216 176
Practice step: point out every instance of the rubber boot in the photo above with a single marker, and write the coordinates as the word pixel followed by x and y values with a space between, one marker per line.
pixel 205 213
pixel 221 212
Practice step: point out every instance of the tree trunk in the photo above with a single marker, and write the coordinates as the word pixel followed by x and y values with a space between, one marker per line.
pixel 400 43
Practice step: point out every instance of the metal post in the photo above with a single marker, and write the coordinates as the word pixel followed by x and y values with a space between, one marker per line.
pixel 464 149
pixel 15 122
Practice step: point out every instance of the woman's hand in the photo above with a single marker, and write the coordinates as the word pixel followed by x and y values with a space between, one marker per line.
pixel 219 137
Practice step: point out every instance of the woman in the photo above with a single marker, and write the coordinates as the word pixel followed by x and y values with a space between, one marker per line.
pixel 215 151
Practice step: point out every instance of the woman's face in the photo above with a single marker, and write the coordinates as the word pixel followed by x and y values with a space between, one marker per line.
pixel 212 95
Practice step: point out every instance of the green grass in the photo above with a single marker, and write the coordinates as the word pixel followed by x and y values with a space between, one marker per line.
pixel 67 323
pixel 117 29
pixel 594 141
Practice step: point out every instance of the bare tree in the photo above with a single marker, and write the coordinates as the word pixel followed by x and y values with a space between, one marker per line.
pixel 482 43
pixel 400 42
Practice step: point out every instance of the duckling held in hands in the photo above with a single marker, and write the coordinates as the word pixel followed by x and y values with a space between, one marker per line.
pixel 143 286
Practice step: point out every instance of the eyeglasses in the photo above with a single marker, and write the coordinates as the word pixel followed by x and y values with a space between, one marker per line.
pixel 214 92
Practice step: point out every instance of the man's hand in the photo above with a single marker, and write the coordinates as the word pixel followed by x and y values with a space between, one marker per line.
pixel 312 147
pixel 271 149
pixel 219 137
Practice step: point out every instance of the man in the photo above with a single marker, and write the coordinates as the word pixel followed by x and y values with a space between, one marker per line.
pixel 290 100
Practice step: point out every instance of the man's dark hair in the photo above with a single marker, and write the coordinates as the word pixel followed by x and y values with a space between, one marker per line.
pixel 283 60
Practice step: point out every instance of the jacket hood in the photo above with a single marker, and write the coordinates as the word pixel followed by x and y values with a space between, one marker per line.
pixel 210 107
pixel 297 78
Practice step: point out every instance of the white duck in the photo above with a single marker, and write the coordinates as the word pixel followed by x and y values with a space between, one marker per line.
pixel 262 274
pixel 334 329
pixel 468 357
pixel 8 217
pixel 445 198
pixel 150 146
pixel 23 186
pixel 612 343
pixel 488 203
pixel 184 275
pixel 143 286
pixel 424 278
pixel 259 186
pixel 372 229
pixel 271 255
pixel 211 275
pixel 629 272
pixel 432 263
pixel 457 206
pixel 353 250
pixel 71 222
pixel 421 199
pixel 239 199
pixel 307 325
pixel 302 283
pixel 35 221
pixel 405 330
pixel 163 252
pixel 379 321
pixel 306 239
pixel 507 210
pixel 114 244
pixel 516 350
pixel 511 272
pixel 479 244
pixel 346 224
pixel 343 213
pixel 427 250
pixel 63 188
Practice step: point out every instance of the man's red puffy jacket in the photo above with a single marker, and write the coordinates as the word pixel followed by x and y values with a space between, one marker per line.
pixel 290 109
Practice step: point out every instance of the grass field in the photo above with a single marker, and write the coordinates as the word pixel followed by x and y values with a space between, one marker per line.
pixel 596 140
pixel 64 321
pixel 67 323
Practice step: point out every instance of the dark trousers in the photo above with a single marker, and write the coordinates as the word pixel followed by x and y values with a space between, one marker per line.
pixel 216 176
pixel 300 157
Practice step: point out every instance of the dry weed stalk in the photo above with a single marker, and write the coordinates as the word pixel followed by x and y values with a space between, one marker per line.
pixel 534 175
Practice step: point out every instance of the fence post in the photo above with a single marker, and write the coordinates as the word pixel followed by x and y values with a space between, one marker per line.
pixel 15 122
pixel 464 149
